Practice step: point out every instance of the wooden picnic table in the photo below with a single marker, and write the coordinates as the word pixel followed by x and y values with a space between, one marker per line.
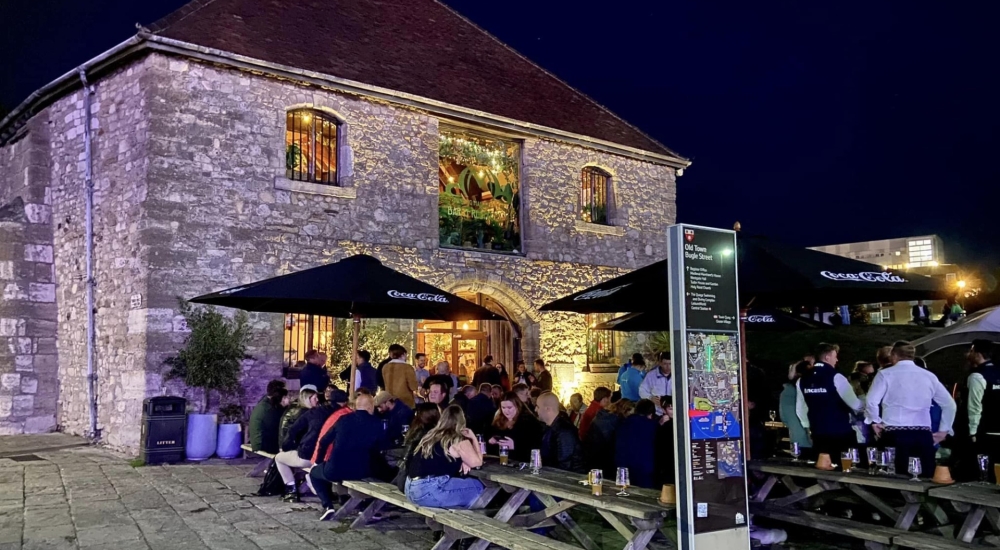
pixel 867 488
pixel 637 517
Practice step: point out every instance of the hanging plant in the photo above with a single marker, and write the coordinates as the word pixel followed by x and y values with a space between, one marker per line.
pixel 498 155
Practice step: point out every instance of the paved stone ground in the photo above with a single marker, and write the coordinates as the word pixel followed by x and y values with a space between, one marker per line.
pixel 89 498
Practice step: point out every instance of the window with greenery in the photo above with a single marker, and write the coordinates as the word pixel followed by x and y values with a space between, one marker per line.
pixel 601 349
pixel 479 205
pixel 311 146
pixel 595 195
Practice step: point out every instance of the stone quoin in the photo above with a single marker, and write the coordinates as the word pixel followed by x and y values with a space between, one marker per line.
pixel 192 194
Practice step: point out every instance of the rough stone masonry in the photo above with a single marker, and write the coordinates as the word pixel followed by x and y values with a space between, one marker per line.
pixel 191 197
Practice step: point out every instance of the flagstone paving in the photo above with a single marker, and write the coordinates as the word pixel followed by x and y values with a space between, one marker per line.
pixel 90 498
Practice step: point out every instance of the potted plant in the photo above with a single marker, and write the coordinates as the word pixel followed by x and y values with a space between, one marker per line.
pixel 211 359
pixel 230 431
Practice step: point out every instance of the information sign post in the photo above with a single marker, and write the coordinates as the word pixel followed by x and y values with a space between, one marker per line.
pixel 707 390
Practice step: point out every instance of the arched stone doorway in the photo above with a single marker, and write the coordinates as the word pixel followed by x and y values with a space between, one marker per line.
pixel 465 344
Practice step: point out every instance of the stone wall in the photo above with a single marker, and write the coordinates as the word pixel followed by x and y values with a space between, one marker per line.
pixel 120 124
pixel 28 381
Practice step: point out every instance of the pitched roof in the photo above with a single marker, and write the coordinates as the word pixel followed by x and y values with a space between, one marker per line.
pixel 420 47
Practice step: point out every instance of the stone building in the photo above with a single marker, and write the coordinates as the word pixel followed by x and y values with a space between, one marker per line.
pixel 236 140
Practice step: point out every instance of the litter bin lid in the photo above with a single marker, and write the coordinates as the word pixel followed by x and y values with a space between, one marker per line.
pixel 164 404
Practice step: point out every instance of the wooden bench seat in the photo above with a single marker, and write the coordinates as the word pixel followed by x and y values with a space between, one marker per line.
pixel 932 542
pixel 868 532
pixel 457 524
pixel 258 470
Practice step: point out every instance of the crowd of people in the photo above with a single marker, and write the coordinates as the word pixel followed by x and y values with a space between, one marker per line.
pixel 893 402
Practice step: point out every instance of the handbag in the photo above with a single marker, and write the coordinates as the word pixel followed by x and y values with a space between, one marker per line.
pixel 272 483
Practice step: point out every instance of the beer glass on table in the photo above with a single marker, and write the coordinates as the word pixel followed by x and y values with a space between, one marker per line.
pixel 890 466
pixel 596 481
pixel 621 480
pixel 984 465
pixel 914 468
pixel 504 452
pixel 846 461
pixel 873 460
pixel 536 461
pixel 795 452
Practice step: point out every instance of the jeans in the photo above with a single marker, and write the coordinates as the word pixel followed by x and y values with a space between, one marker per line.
pixel 322 485
pixel 443 491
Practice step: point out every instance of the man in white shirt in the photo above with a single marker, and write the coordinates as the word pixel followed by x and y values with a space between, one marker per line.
pixel 657 382
pixel 984 402
pixel 905 393
pixel 825 403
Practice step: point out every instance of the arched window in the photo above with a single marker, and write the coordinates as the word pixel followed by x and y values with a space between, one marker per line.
pixel 311 146
pixel 595 196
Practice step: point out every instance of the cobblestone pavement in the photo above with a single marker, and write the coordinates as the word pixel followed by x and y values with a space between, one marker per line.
pixel 88 497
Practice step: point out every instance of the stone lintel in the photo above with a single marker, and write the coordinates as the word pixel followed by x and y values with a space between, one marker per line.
pixel 598 228
pixel 285 184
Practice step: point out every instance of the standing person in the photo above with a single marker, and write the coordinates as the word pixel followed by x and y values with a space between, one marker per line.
pixel 657 382
pixel 906 393
pixel 314 372
pixel 984 402
pixel 786 408
pixel 366 376
pixel 381 366
pixel 825 404
pixel 576 409
pixel 522 376
pixel 265 420
pixel 635 444
pixel 631 379
pixel 664 444
pixel 543 378
pixel 400 379
pixel 602 399
pixel 560 440
pixel 504 377
pixel 297 448
pixel 355 438
pixel 420 369
pixel 515 427
pixel 486 374
pixel 883 357
pixel 480 410
pixel 434 471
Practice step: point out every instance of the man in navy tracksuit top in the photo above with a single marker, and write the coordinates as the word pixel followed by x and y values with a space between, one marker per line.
pixel 825 404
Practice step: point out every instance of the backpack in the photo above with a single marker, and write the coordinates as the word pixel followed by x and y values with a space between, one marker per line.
pixel 272 483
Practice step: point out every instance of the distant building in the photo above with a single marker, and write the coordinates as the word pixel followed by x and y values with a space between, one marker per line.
pixel 923 255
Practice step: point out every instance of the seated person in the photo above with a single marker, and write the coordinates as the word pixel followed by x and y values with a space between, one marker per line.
pixel 560 440
pixel 480 411
pixel 515 427
pixel 355 439
pixel 265 420
pixel 434 471
pixel 635 444
pixel 339 398
pixel 396 415
pixel 663 451
pixel 299 445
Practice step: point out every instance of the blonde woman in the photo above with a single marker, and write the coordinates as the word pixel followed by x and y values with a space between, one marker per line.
pixel 434 470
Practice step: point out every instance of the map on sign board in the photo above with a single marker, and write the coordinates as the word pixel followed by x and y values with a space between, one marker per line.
pixel 714 385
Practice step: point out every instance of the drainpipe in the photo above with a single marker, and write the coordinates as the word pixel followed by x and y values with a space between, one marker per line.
pixel 94 434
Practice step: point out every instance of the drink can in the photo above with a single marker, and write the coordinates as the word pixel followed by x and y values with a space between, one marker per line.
pixel 536 460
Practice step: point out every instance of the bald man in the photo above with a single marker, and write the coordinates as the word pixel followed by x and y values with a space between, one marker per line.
pixel 355 439
pixel 561 442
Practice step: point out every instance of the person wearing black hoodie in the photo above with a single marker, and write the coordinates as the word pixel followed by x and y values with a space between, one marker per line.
pixel 634 444
pixel 300 443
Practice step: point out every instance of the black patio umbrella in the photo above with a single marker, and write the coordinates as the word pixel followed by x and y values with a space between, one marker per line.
pixel 353 288
pixel 757 320
pixel 770 274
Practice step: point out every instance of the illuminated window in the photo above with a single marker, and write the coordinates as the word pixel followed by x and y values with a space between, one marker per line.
pixel 306 332
pixel 595 196
pixel 479 204
pixel 311 146
pixel 601 348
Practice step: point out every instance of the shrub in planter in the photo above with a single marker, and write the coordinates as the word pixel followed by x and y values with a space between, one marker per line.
pixel 211 360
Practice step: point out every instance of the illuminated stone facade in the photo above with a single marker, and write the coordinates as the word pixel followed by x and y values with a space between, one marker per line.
pixel 192 197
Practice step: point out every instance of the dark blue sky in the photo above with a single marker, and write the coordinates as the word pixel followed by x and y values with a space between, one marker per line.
pixel 812 122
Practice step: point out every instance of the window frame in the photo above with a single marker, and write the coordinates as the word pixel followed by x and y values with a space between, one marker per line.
pixel 588 174
pixel 309 175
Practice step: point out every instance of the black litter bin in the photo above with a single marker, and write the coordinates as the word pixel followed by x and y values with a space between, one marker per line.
pixel 164 427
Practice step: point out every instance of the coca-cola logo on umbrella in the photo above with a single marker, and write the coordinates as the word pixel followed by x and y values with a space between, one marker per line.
pixel 761 319
pixel 423 296
pixel 594 294
pixel 864 277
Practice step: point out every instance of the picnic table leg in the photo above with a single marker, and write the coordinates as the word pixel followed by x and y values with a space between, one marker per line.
pixel 367 515
pixel 806 493
pixel 645 530
pixel 349 507
pixel 910 510
pixel 765 489
pixel 445 542
pixel 971 524
pixel 258 470
pixel 878 503
pixel 789 482
pixel 993 517
pixel 567 522
pixel 506 512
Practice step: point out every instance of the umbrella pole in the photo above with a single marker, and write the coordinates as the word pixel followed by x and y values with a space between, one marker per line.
pixel 743 376
pixel 354 354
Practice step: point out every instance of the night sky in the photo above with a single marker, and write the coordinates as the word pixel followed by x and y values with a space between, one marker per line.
pixel 811 122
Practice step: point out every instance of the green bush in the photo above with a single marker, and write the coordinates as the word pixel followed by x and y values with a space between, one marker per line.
pixel 213 351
